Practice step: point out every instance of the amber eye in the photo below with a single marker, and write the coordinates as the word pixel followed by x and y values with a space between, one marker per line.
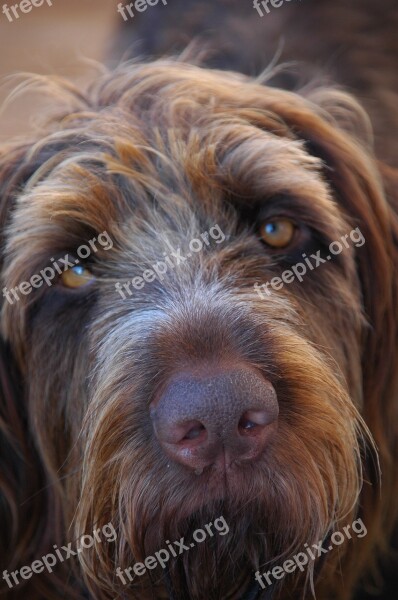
pixel 76 277
pixel 277 233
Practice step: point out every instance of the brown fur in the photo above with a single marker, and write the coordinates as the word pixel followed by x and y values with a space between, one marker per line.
pixel 160 152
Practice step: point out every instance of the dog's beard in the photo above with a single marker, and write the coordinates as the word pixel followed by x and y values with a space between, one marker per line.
pixel 305 486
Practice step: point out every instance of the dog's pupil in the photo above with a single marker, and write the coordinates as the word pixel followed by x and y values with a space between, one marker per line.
pixel 78 270
pixel 271 228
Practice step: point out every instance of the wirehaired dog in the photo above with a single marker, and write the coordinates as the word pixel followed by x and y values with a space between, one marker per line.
pixel 194 397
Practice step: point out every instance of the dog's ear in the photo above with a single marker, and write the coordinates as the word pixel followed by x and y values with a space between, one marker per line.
pixel 19 476
pixel 30 507
pixel 15 455
pixel 367 194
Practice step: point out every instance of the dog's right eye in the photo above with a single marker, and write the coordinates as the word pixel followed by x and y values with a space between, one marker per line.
pixel 77 277
pixel 277 233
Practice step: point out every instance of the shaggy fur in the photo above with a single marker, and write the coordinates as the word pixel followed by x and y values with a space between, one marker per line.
pixel 156 153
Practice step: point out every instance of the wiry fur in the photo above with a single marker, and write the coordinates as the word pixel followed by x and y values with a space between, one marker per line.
pixel 153 154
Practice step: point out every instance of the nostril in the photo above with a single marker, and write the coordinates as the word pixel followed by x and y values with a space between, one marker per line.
pixel 246 425
pixel 254 420
pixel 185 434
pixel 196 432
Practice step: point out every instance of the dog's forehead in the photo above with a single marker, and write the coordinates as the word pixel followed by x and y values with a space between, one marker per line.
pixel 177 174
pixel 173 136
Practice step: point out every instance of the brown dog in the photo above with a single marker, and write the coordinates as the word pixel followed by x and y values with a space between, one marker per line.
pixel 163 384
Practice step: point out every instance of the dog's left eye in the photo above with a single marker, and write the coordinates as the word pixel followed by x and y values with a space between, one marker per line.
pixel 277 233
pixel 76 277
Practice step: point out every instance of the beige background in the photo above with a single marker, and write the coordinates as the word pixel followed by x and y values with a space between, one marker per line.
pixel 51 39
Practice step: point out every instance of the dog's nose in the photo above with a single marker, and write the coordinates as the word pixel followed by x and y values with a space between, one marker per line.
pixel 220 419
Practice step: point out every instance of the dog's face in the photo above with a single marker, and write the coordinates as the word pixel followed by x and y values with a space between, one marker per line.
pixel 197 392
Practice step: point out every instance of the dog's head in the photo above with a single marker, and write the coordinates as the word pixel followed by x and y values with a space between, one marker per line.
pixel 221 347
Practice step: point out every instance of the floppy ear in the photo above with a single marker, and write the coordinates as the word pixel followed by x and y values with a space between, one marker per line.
pixel 16 451
pixel 367 193
pixel 30 505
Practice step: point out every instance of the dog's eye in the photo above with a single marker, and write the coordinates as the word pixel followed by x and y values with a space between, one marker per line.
pixel 76 277
pixel 277 233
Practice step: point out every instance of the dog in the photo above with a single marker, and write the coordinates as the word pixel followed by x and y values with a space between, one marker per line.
pixel 159 386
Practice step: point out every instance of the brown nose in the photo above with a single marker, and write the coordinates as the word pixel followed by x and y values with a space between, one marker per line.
pixel 216 419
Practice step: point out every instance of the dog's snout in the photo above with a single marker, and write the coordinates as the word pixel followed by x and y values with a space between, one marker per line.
pixel 219 419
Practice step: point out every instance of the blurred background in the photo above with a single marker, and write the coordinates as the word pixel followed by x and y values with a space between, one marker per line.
pixel 51 39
